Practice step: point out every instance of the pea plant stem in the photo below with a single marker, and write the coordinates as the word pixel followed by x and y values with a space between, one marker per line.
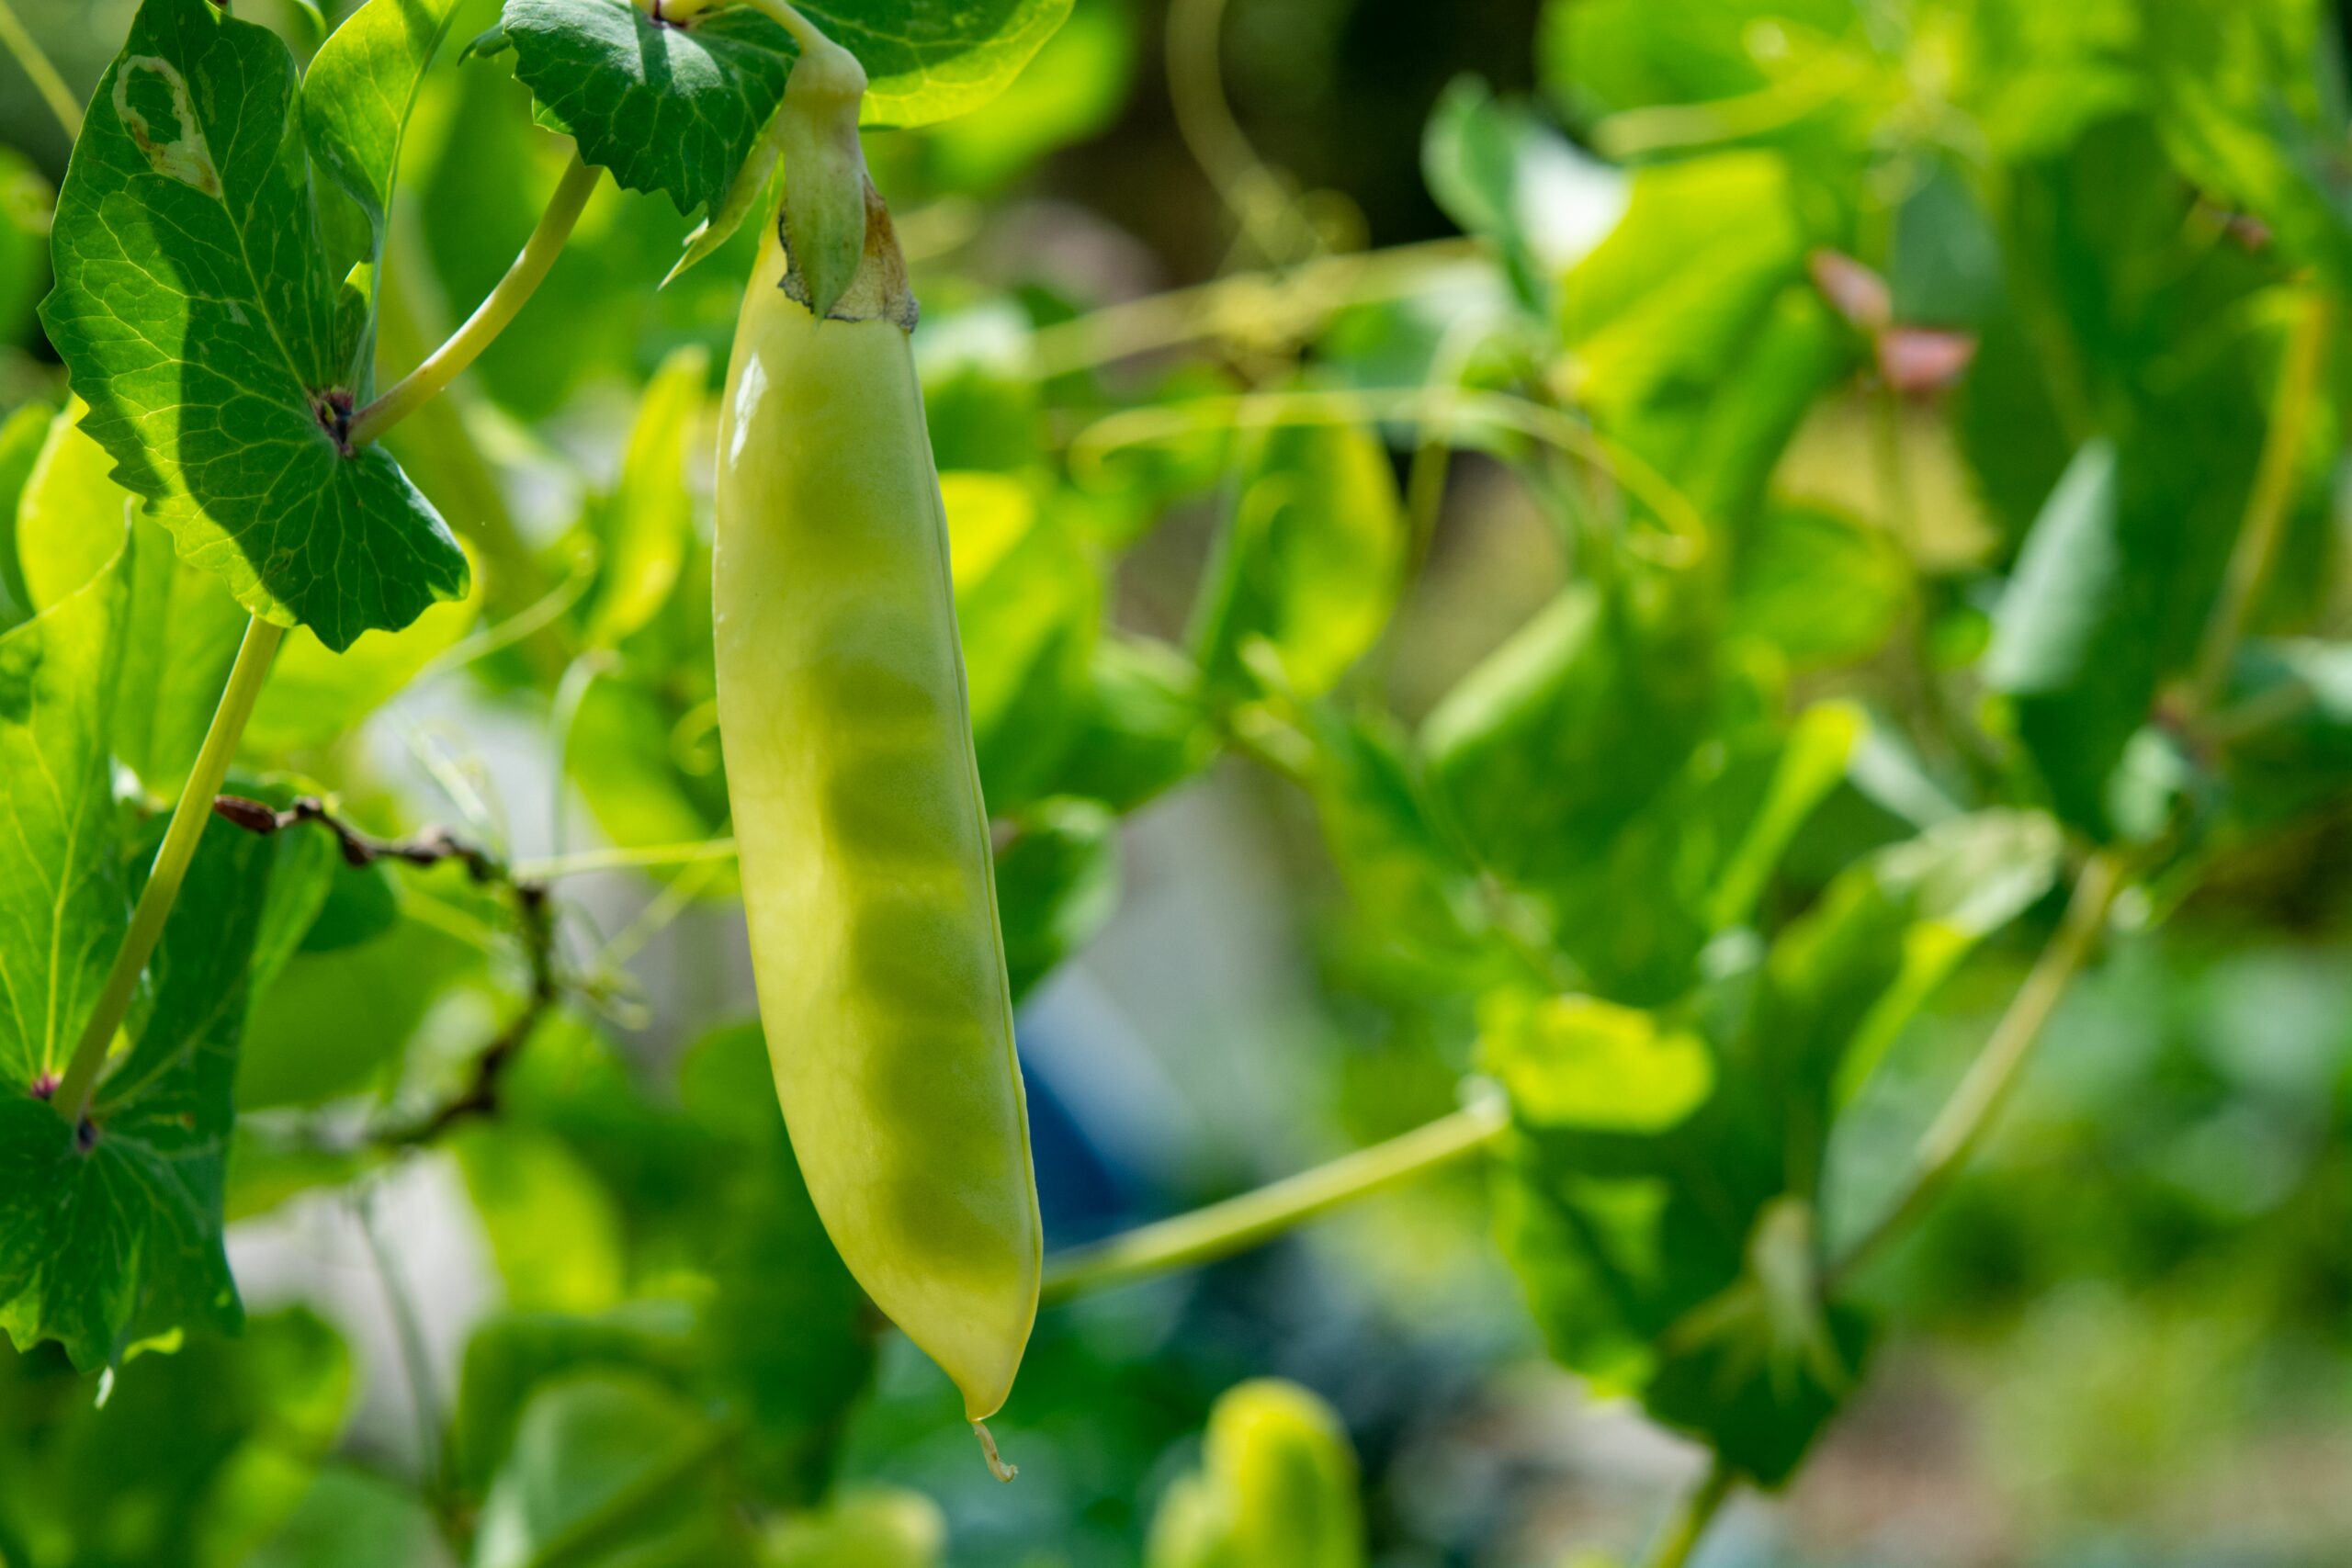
pixel 1689 1525
pixel 445 364
pixel 1222 1229
pixel 18 40
pixel 2274 490
pixel 189 817
pixel 1962 1125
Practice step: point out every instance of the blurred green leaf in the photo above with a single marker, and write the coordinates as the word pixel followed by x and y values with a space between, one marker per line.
pixel 1821 587
pixel 1552 744
pixel 1056 885
pixel 23 435
pixel 553 1233
pixel 646 523
pixel 1506 176
pixel 873 1527
pixel 1308 568
pixel 1142 729
pixel 1028 603
pixel 1580 1062
pixel 509 1355
pixel 192 1458
pixel 183 629
pixel 349 1518
pixel 1072 90
pixel 607 1469
pixel 334 1021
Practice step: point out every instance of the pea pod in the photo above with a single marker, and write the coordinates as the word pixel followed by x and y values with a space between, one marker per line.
pixel 865 856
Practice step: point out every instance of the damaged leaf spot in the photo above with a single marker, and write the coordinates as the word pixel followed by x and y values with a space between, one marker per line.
pixel 182 157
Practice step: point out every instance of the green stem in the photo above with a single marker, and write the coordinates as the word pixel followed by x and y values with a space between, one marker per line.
pixel 2274 490
pixel 445 364
pixel 625 857
pixel 18 40
pixel 1689 1525
pixel 806 33
pixel 1221 1229
pixel 1963 1122
pixel 188 818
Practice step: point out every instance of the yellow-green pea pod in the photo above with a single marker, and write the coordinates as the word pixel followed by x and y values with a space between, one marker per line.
pixel 864 848
pixel 1276 1488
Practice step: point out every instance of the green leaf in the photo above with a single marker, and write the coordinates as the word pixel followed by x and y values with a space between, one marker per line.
pixel 334 1021
pixel 1142 730
pixel 553 1232
pixel 195 309
pixel 355 103
pixel 316 694
pixel 1581 1062
pixel 648 769
pixel 112 1237
pixel 62 903
pixel 22 435
pixel 2069 646
pixel 184 630
pixel 349 1518
pixel 511 1355
pixel 1824 589
pixel 607 1469
pixel 1308 568
pixel 647 522
pixel 193 1459
pixel 873 1527
pixel 1028 604
pixel 1506 176
pixel 1569 729
pixel 677 109
pixel 1056 885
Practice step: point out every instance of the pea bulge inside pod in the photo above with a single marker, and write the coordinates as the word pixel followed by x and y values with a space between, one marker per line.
pixel 868 882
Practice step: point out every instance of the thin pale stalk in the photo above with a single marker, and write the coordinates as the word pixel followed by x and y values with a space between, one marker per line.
pixel 625 858
pixel 1222 1229
pixel 445 364
pixel 2274 491
pixel 1962 1125
pixel 1689 1525
pixel 154 906
pixel 18 40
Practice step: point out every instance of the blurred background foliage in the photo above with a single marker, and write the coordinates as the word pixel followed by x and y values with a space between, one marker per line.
pixel 1624 546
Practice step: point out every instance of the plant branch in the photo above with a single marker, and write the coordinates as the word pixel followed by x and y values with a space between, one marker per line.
pixel 1248 300
pixel 1689 1525
pixel 445 363
pixel 1963 1122
pixel 533 912
pixel 2274 491
pixel 625 858
pixel 80 1082
pixel 18 40
pixel 1222 1229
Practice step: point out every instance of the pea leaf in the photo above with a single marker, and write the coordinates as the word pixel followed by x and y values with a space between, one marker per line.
pixel 61 898
pixel 356 104
pixel 676 108
pixel 1309 566
pixel 1670 1249
pixel 1057 886
pixel 197 310
pixel 647 522
pixel 183 628
pixel 585 1445
pixel 110 1236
